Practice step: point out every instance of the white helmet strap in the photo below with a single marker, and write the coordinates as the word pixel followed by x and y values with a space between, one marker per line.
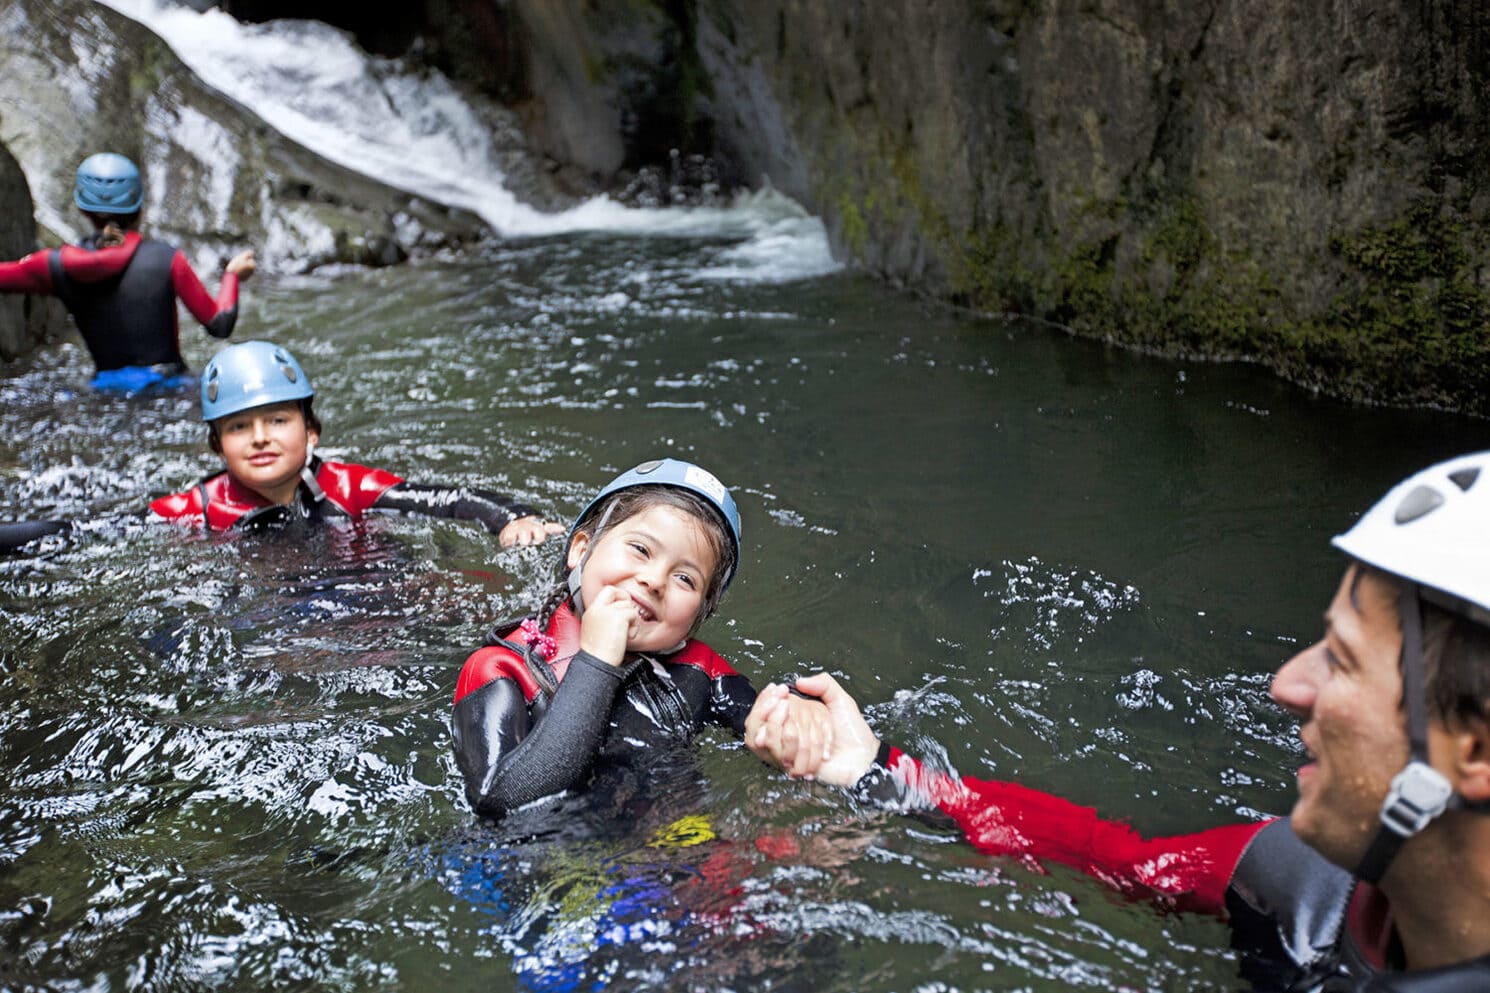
pixel 577 574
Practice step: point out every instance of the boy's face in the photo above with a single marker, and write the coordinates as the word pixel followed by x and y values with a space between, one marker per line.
pixel 266 447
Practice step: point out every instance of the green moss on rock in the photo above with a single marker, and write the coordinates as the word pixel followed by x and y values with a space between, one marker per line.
pixel 1410 322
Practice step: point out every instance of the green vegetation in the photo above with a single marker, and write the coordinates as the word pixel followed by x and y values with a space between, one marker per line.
pixel 1408 322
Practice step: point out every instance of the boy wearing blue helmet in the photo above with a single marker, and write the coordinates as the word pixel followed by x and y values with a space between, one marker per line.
pixel 608 668
pixel 256 400
pixel 121 289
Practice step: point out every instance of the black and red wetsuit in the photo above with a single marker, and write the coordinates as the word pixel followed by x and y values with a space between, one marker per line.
pixel 1299 922
pixel 123 298
pixel 337 489
pixel 516 743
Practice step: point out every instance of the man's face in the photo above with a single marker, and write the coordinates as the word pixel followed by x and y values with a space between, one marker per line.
pixel 1346 689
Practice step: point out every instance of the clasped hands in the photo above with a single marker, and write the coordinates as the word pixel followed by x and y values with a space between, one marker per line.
pixel 820 734
pixel 816 733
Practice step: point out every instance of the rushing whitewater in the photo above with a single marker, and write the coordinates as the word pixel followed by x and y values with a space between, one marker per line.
pixel 414 131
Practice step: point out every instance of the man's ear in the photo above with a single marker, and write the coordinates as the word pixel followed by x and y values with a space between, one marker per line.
pixel 577 549
pixel 1472 757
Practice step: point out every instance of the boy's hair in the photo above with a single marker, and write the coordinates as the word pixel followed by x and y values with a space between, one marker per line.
pixel 119 222
pixel 1456 654
pixel 312 423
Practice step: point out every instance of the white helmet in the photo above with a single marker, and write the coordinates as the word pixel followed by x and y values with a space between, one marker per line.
pixel 1433 529
pixel 1433 532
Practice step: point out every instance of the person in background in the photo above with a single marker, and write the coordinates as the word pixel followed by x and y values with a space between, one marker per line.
pixel 1379 878
pixel 608 674
pixel 121 288
pixel 257 402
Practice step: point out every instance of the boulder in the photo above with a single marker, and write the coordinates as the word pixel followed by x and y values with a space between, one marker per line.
pixel 24 320
pixel 78 77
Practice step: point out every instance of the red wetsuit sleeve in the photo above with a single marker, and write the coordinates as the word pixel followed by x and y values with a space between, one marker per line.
pixel 178 506
pixel 90 265
pixel 1189 871
pixel 28 275
pixel 217 316
pixel 32 274
pixel 355 488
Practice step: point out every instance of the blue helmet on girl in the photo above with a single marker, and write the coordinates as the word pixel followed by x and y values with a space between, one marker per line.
pixel 683 475
pixel 108 183
pixel 251 374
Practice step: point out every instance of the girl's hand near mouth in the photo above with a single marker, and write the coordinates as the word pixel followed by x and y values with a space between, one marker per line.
pixel 609 623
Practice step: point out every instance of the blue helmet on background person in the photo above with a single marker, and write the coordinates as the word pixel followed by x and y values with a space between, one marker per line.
pixel 108 183
pixel 683 475
pixel 251 374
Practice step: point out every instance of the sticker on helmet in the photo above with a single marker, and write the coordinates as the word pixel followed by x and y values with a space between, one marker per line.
pixel 704 480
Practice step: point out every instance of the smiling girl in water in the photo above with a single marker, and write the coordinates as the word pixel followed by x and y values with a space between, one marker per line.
pixel 609 669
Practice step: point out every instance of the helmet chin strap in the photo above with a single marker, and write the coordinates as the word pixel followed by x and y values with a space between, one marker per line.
pixel 308 476
pixel 1419 793
pixel 577 574
pixel 576 580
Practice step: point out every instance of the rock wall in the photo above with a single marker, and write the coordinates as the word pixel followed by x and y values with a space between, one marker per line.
pixel 1302 184
pixel 24 320
pixel 1296 182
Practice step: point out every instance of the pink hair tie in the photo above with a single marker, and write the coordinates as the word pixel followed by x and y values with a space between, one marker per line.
pixel 544 645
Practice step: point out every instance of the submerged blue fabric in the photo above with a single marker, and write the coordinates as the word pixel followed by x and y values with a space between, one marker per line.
pixel 137 378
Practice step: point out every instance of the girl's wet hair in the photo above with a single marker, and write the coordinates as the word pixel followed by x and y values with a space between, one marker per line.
pixel 312 423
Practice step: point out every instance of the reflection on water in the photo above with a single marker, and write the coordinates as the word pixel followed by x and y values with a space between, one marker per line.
pixel 226 758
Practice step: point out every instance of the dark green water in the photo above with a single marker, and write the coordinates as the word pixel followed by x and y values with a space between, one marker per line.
pixel 226 761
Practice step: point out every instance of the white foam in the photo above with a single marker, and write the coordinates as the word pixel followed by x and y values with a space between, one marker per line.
pixel 414 131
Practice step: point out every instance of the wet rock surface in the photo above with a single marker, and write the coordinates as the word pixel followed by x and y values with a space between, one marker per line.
pixel 80 77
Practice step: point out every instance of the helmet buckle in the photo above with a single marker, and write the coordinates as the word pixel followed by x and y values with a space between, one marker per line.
pixel 1418 794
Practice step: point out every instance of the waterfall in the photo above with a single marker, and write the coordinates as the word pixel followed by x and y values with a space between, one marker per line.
pixel 416 132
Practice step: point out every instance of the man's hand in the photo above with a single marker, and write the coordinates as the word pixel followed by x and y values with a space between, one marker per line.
pixel 243 264
pixel 785 730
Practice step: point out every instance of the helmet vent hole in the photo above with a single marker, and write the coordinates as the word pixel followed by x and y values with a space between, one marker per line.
pixel 1465 478
pixel 1422 500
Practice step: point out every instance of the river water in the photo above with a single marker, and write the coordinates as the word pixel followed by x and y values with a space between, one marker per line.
pixel 226 761
pixel 1033 557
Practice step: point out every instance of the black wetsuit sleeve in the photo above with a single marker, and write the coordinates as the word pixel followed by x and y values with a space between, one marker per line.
pixel 20 533
pixel 879 787
pixel 507 764
pixel 730 702
pixel 222 323
pixel 493 510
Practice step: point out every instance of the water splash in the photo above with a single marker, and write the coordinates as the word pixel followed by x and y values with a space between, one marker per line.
pixel 1046 605
pixel 416 132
